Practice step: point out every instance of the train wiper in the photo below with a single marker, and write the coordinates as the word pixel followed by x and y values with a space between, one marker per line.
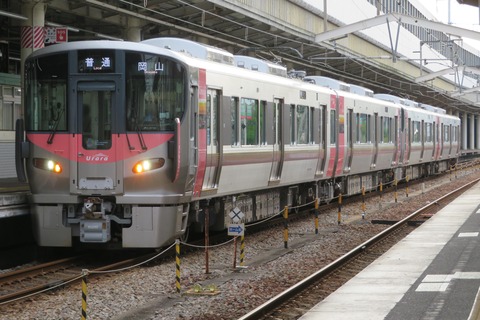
pixel 140 136
pixel 55 126
pixel 138 131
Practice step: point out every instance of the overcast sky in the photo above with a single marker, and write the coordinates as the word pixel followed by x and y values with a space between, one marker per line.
pixel 462 15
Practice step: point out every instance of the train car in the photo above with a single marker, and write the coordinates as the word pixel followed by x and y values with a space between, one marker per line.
pixel 131 144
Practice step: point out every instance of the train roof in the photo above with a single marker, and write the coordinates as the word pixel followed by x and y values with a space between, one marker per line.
pixel 204 56
pixel 328 82
pixel 256 64
pixel 194 49
pixel 361 90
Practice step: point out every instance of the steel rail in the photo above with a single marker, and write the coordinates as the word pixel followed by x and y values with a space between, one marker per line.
pixel 289 293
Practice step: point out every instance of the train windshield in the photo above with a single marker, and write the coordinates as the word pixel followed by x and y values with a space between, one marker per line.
pixel 46 93
pixel 155 92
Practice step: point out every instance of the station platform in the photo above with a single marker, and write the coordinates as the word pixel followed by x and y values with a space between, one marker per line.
pixel 434 273
pixel 12 185
pixel 13 198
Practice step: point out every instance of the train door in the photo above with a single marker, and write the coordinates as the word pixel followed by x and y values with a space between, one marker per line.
pixel 199 142
pixel 402 143
pixel 449 135
pixel 337 148
pixel 409 136
pixel 97 169
pixel 213 153
pixel 349 155
pixel 376 137
pixel 321 139
pixel 422 139
pixel 442 140
pixel 277 156
pixel 396 139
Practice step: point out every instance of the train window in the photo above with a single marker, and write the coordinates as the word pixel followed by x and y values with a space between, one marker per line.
pixel 303 123
pixel 211 121
pixel 278 104
pixel 46 93
pixel 446 135
pixel 428 132
pixel 234 120
pixel 262 123
pixel 416 131
pixel 362 127
pixel 155 92
pixel 292 124
pixel 249 121
pixel 96 119
pixel 321 125
pixel 311 136
pixel 333 127
pixel 386 129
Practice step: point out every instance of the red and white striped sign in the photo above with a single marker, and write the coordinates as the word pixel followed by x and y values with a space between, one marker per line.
pixel 32 37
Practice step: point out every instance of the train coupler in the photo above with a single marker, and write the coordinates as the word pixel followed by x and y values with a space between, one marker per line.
pixel 95 223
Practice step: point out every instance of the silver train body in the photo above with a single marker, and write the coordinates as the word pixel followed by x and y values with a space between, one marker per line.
pixel 131 144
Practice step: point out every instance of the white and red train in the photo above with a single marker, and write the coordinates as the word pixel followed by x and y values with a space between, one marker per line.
pixel 128 144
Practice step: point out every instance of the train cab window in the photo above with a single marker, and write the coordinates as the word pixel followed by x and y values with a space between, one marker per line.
pixel 96 119
pixel 249 121
pixel 155 92
pixel 46 93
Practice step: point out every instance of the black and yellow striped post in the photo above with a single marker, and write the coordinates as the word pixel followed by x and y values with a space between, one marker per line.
pixel 395 193
pixel 285 227
pixel 177 265
pixel 363 202
pixel 84 294
pixel 339 217
pixel 242 249
pixel 316 216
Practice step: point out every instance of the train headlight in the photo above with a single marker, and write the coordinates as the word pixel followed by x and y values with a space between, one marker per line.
pixel 46 164
pixel 148 165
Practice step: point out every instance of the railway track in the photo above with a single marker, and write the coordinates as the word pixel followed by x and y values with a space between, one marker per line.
pixel 296 300
pixel 22 283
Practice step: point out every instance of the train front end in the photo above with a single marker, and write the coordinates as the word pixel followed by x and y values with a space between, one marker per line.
pixel 101 150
